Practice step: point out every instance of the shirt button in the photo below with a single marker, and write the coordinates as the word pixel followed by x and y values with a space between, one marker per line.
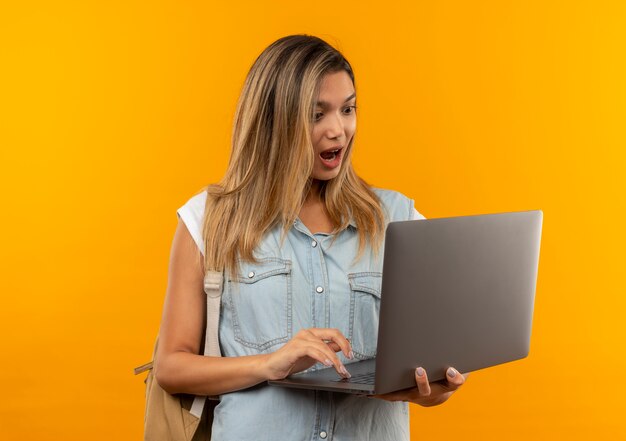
pixel 319 289
pixel 314 244
pixel 323 434
pixel 251 274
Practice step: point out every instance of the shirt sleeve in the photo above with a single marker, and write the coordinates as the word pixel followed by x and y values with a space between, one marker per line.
pixel 192 214
pixel 417 215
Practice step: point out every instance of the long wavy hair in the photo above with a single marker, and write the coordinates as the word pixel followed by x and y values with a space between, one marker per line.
pixel 269 171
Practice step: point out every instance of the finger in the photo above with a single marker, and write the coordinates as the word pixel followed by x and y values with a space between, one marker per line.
pixel 323 357
pixel 330 356
pixel 335 336
pixel 422 381
pixel 315 354
pixel 314 336
pixel 333 346
pixel 455 379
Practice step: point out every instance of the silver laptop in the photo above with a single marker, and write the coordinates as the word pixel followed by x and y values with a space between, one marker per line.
pixel 456 291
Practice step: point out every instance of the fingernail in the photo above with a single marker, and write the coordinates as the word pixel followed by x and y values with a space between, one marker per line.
pixel 351 355
pixel 420 372
pixel 345 372
pixel 451 372
pixel 327 362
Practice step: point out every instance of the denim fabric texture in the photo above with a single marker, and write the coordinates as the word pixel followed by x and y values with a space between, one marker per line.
pixel 302 283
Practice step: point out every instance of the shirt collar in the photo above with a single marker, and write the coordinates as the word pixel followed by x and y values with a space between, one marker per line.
pixel 299 226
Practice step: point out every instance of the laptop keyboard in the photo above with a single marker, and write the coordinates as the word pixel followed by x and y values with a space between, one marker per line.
pixel 366 378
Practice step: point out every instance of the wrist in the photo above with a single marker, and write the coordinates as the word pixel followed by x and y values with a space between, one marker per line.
pixel 261 367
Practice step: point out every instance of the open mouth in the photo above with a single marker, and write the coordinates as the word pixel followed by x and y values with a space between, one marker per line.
pixel 331 156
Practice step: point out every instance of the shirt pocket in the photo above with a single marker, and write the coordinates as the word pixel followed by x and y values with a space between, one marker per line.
pixel 365 308
pixel 260 300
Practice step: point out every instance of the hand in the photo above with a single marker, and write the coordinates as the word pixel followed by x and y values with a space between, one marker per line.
pixel 308 347
pixel 428 394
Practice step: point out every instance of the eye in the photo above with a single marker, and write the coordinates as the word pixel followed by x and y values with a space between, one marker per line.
pixel 350 109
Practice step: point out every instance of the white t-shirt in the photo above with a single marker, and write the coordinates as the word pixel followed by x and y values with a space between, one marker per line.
pixel 192 214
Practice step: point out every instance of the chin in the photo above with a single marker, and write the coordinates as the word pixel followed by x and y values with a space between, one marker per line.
pixel 326 176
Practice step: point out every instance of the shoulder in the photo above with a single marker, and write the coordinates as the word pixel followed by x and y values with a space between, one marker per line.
pixel 398 205
pixel 391 196
pixel 192 214
pixel 197 201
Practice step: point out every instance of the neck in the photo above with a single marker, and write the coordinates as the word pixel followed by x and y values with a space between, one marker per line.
pixel 314 194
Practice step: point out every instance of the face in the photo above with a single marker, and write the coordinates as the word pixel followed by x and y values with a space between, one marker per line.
pixel 334 124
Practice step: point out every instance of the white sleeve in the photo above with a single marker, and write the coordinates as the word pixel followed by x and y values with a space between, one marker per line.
pixel 192 214
pixel 417 215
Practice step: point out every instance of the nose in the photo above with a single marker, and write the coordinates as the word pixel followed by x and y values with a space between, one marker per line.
pixel 335 127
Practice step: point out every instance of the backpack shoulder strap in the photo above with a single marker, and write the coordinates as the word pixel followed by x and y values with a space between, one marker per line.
pixel 213 287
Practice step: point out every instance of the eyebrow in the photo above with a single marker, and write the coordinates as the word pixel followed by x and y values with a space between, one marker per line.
pixel 326 104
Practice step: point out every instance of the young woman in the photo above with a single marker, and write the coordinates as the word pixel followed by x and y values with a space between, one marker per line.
pixel 299 237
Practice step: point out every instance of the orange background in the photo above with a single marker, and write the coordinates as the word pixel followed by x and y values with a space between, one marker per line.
pixel 114 113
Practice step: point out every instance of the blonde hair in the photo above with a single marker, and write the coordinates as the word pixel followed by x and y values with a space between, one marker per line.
pixel 268 174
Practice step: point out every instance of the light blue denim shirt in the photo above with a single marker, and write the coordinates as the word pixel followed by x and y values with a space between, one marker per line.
pixel 303 283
